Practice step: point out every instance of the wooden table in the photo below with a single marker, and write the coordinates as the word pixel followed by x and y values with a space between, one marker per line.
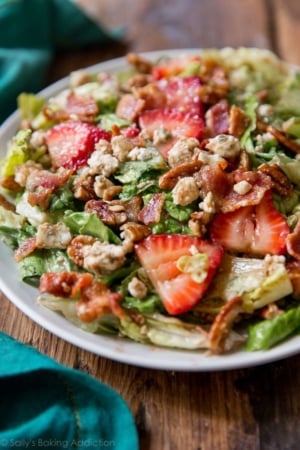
pixel 250 409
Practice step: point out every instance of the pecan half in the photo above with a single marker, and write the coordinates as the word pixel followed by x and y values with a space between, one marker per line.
pixel 280 182
pixel 169 179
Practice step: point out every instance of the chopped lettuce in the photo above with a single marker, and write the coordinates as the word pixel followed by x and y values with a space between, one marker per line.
pixel 107 324
pixel 30 105
pixel 258 281
pixel 109 119
pixel 18 153
pixel 266 334
pixel 131 172
pixel 89 223
pixel 165 332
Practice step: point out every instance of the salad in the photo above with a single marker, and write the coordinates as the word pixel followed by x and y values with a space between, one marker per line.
pixel 162 203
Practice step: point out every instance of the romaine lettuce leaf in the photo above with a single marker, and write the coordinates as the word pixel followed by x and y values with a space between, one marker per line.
pixel 89 223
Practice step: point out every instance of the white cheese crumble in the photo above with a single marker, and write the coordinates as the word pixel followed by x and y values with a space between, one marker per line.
pixel 224 145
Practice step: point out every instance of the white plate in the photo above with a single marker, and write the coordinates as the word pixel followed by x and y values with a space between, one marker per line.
pixel 119 349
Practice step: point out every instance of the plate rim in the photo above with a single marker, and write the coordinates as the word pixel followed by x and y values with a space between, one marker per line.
pixel 121 350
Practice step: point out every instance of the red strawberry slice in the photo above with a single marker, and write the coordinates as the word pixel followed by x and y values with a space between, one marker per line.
pixel 177 123
pixel 70 144
pixel 183 94
pixel 159 255
pixel 259 229
pixel 174 66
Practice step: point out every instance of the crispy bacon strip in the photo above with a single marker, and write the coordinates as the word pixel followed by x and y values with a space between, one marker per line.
pixel 260 182
pixel 96 301
pixel 95 298
pixel 151 213
pixel 83 108
pixel 64 284
pixel 293 268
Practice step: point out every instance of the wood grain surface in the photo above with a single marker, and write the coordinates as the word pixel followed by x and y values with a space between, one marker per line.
pixel 250 409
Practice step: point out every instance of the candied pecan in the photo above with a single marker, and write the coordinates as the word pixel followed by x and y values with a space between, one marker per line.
pixel 129 107
pixel 169 179
pixel 139 80
pixel 293 242
pixel 75 248
pixel 283 139
pixel 26 248
pixel 153 96
pixel 105 213
pixel 293 268
pixel 270 311
pixel 238 121
pixel 83 188
pixel 222 324
pixel 6 204
pixel 244 161
pixel 132 231
pixel 142 65
pixel 111 192
pixel 10 184
pixel 280 182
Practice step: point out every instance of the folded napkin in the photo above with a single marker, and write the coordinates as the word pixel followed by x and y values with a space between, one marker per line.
pixel 30 32
pixel 44 404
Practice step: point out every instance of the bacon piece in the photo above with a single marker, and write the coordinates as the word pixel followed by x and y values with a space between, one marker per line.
pixel 129 107
pixel 169 179
pixel 260 182
pixel 47 179
pixel 26 248
pixel 96 301
pixel 293 242
pixel 217 118
pixel 151 213
pixel 81 108
pixel 223 323
pixel 42 183
pixel 95 298
pixel 215 180
pixel 64 284
pixel 238 121
pixel 284 140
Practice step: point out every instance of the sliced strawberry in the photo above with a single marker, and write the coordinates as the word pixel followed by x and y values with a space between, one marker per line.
pixel 259 229
pixel 159 255
pixel 178 123
pixel 183 94
pixel 174 66
pixel 70 144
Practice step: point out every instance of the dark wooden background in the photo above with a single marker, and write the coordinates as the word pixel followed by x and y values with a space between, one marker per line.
pixel 249 409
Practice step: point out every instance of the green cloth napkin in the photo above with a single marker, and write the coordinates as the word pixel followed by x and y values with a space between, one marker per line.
pixel 44 404
pixel 30 32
